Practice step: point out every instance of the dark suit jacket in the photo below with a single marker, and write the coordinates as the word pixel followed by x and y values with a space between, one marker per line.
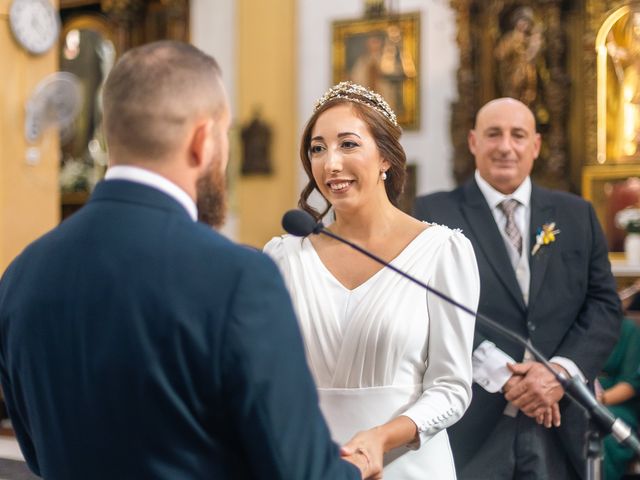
pixel 137 344
pixel 573 308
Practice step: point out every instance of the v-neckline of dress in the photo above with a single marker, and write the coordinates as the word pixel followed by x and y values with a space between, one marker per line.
pixel 372 277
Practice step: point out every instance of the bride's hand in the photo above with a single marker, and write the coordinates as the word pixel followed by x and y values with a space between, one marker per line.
pixel 370 445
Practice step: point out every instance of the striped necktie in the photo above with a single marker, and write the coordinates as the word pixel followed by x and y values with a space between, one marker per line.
pixel 508 207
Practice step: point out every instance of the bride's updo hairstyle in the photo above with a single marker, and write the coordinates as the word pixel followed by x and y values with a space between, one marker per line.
pixel 383 126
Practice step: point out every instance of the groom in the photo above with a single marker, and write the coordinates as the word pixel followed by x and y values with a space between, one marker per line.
pixel 137 343
pixel 558 293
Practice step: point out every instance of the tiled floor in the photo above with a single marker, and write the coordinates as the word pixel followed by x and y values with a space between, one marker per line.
pixel 9 448
pixel 12 466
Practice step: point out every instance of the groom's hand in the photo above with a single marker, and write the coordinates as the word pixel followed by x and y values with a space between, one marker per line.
pixel 368 447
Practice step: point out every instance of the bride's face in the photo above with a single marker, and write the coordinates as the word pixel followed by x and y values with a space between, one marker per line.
pixel 345 160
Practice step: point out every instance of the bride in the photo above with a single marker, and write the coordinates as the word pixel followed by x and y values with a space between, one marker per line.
pixel 392 363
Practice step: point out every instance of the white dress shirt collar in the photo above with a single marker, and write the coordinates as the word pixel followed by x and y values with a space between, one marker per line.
pixel 151 179
pixel 493 197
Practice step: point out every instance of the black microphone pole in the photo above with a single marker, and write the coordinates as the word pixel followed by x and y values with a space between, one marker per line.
pixel 300 223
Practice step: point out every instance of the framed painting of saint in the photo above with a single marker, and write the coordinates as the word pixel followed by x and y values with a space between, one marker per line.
pixel 382 54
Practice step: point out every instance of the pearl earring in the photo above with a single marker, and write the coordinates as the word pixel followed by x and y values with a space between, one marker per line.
pixel 383 175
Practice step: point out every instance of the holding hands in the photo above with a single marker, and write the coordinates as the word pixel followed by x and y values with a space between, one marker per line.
pixel 535 391
pixel 366 448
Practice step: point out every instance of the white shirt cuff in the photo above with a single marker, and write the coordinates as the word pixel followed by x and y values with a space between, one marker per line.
pixel 490 367
pixel 570 367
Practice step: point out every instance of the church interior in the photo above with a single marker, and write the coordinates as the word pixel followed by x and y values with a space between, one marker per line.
pixel 574 63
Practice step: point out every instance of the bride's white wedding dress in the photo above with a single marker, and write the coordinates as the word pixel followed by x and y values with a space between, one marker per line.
pixel 387 348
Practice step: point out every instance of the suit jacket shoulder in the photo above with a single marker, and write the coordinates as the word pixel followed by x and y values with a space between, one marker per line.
pixel 443 208
pixel 558 197
pixel 436 199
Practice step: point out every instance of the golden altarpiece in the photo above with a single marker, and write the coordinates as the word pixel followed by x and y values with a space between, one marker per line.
pixel 576 64
pixel 94 34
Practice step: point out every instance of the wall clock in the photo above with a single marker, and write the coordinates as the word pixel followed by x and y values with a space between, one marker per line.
pixel 35 24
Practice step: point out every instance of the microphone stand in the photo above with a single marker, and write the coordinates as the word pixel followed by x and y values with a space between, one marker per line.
pixel 601 421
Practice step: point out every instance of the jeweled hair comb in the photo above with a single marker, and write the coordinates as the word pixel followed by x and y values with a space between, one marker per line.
pixel 357 93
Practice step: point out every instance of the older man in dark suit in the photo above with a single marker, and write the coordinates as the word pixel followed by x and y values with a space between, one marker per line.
pixel 137 343
pixel 544 274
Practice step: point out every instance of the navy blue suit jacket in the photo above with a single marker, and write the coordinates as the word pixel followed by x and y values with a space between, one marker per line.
pixel 573 308
pixel 135 343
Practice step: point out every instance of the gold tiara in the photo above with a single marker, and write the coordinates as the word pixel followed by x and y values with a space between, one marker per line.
pixel 357 93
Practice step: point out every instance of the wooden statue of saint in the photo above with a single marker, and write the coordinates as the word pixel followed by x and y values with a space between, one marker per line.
pixel 517 53
pixel 256 147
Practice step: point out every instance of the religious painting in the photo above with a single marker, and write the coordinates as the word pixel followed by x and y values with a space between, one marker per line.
pixel 618 50
pixel 610 190
pixel 382 54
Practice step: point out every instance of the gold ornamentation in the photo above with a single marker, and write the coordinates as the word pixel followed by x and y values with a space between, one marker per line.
pixel 480 25
pixel 357 93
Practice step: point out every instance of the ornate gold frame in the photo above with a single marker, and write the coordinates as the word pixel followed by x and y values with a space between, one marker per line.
pixel 89 21
pixel 345 31
pixel 595 179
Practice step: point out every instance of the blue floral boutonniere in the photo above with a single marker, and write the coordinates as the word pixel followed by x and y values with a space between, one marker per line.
pixel 546 235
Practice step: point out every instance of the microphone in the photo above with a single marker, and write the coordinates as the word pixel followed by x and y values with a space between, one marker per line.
pixel 301 224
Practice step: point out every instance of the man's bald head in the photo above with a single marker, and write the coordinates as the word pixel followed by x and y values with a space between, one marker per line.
pixel 152 97
pixel 506 103
pixel 504 143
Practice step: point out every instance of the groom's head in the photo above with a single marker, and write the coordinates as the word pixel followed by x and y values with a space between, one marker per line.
pixel 166 110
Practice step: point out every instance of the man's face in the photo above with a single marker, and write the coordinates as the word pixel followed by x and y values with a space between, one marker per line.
pixel 211 188
pixel 504 143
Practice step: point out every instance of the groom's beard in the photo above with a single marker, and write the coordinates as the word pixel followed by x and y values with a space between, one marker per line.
pixel 211 192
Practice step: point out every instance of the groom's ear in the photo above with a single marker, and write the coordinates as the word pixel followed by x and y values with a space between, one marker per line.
pixel 201 144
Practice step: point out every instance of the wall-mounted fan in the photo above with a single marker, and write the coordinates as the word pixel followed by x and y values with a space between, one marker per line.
pixel 56 100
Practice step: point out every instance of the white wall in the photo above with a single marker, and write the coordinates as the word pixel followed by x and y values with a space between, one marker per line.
pixel 213 31
pixel 430 147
